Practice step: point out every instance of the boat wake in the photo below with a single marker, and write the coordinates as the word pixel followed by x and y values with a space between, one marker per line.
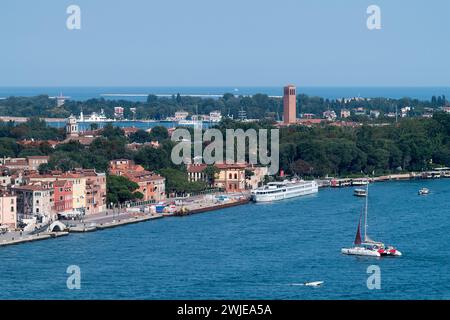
pixel 307 284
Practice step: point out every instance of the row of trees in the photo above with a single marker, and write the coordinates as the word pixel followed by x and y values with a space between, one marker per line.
pixel 258 106
pixel 410 145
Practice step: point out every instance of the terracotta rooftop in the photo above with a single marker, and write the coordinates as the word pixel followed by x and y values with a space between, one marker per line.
pixel 196 168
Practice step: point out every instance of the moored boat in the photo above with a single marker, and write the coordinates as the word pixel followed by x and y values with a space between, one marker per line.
pixel 360 182
pixel 275 191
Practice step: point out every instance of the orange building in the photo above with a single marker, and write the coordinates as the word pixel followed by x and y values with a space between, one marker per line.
pixel 151 185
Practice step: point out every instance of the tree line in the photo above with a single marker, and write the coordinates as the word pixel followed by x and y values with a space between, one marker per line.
pixel 258 106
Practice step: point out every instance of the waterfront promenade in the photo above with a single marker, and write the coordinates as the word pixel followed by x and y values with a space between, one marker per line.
pixel 116 218
pixel 18 237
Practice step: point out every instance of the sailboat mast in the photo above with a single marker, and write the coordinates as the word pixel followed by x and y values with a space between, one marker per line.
pixel 366 210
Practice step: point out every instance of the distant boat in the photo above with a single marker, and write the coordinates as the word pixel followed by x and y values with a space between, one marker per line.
pixel 95 117
pixel 366 246
pixel 186 122
pixel 360 193
pixel 314 284
pixel 424 192
pixel 360 182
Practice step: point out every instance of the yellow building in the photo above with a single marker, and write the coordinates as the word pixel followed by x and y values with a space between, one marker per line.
pixel 78 186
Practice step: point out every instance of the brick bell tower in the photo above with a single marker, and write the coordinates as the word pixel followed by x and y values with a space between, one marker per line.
pixel 290 104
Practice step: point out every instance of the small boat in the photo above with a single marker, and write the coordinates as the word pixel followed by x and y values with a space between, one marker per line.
pixel 424 191
pixel 360 182
pixel 366 246
pixel 360 193
pixel 313 284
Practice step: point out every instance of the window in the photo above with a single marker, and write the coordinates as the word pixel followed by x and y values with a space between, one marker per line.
pixel 12 209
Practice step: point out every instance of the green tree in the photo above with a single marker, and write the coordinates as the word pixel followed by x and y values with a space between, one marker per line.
pixel 121 190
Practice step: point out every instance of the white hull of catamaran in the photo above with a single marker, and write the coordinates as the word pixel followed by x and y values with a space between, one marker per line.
pixel 360 252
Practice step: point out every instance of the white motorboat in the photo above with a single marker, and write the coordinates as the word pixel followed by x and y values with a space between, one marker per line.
pixel 366 246
pixel 275 191
pixel 424 192
pixel 360 193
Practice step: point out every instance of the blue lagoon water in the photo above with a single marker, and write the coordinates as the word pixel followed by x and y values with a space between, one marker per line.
pixel 258 251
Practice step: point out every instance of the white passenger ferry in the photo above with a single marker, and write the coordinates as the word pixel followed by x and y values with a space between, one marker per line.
pixel 275 191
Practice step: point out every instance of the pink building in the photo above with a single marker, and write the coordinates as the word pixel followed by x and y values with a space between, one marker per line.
pixel 63 196
pixel 8 210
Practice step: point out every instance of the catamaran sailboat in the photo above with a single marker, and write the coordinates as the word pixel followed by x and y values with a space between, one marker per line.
pixel 368 247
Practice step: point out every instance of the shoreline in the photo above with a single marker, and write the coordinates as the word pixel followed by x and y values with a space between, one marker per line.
pixel 115 221
pixel 112 221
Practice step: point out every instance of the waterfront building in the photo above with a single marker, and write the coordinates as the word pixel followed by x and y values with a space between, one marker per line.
pixel 181 115
pixel 8 210
pixel 88 188
pixel 215 116
pixel 345 113
pixel 290 105
pixel 78 186
pixel 95 196
pixel 230 177
pixel 35 200
pixel 329 115
pixel 119 113
pixel 63 196
pixel 151 185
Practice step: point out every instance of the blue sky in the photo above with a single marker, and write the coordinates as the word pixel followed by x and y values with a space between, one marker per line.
pixel 224 43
